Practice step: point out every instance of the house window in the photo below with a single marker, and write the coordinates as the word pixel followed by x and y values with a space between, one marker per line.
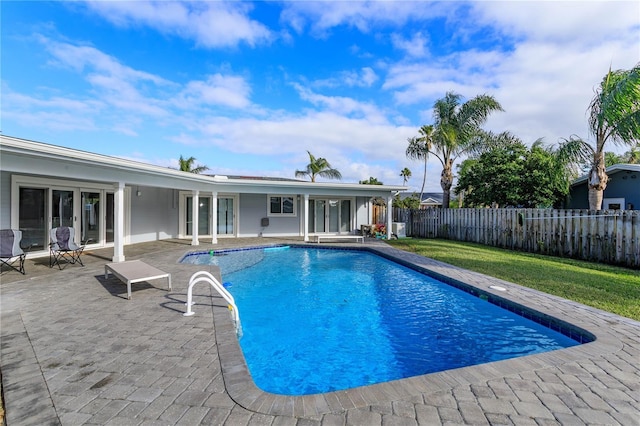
pixel 282 205
pixel 613 204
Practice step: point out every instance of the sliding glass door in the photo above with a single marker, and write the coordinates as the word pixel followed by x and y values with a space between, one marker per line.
pixel 42 207
pixel 62 213
pixel 226 216
pixel 204 222
pixel 90 219
pixel 329 216
pixel 109 217
pixel 32 217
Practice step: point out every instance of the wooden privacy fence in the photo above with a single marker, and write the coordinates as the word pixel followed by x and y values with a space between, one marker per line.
pixel 607 236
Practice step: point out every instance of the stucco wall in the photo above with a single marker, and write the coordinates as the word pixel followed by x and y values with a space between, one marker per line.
pixel 622 184
pixel 154 214
pixel 5 200
pixel 625 184
pixel 253 207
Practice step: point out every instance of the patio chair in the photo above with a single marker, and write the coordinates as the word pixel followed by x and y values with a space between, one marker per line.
pixel 64 247
pixel 11 252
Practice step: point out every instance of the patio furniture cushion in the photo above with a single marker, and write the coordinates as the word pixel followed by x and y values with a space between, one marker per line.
pixel 63 247
pixel 10 250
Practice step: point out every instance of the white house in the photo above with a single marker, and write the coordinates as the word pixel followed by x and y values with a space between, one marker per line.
pixel 116 202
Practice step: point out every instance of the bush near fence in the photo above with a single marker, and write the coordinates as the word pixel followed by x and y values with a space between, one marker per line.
pixel 607 236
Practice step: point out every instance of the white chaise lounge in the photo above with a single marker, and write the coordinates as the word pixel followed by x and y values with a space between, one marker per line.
pixel 357 238
pixel 135 271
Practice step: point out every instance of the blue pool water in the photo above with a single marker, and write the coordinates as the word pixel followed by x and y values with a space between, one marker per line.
pixel 319 320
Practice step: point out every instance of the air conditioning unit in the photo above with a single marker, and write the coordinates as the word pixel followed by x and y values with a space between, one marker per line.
pixel 398 228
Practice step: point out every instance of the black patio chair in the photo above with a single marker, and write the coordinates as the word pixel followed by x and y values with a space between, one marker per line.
pixel 11 252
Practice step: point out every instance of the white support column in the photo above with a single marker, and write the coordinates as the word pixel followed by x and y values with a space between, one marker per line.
pixel 214 218
pixel 118 225
pixel 389 215
pixel 195 210
pixel 306 218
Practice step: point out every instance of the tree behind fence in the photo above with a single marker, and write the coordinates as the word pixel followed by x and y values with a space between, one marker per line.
pixel 608 236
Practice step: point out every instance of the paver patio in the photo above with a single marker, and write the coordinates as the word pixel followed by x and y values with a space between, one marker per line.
pixel 75 351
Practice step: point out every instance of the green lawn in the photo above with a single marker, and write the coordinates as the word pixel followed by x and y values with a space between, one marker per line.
pixel 605 287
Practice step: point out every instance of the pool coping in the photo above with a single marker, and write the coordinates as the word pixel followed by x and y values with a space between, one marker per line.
pixel 243 391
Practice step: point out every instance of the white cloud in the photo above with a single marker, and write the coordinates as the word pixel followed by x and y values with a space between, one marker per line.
pixel 333 133
pixel 321 17
pixel 559 53
pixel 119 85
pixel 416 46
pixel 342 105
pixel 567 23
pixel 87 58
pixel 211 24
pixel 364 77
pixel 218 89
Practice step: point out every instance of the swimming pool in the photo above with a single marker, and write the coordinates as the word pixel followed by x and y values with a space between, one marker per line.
pixel 349 318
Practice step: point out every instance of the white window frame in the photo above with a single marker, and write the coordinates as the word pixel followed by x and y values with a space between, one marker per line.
pixel 294 198
pixel 608 201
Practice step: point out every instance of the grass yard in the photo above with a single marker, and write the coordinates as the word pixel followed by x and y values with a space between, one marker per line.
pixel 605 287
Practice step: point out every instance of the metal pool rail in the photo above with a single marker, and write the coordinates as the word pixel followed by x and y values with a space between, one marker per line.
pixel 207 277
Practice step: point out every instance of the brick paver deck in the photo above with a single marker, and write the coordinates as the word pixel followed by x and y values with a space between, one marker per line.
pixel 74 351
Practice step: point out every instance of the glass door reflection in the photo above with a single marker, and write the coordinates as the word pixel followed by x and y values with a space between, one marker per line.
pixel 61 208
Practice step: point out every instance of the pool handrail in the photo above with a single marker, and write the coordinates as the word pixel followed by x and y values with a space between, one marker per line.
pixel 208 277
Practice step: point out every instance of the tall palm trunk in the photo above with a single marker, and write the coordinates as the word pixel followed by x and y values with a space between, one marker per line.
pixel 424 179
pixel 597 181
pixel 446 181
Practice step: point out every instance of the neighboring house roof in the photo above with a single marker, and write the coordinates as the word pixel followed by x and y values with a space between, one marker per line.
pixel 71 163
pixel 432 198
pixel 610 170
pixel 427 197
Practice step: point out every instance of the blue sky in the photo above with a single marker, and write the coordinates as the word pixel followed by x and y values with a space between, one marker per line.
pixel 248 87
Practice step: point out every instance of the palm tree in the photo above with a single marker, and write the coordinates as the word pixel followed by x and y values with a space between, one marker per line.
pixel 405 174
pixel 419 148
pixel 318 167
pixel 633 155
pixel 371 181
pixel 614 114
pixel 611 158
pixel 186 165
pixel 456 128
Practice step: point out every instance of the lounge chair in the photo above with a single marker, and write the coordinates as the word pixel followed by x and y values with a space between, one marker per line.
pixel 64 247
pixel 135 271
pixel 11 252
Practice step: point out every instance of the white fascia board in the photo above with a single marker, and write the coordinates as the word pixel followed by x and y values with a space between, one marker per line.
pixel 38 149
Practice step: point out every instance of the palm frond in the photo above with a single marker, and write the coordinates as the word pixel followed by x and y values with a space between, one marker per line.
pixel 614 111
